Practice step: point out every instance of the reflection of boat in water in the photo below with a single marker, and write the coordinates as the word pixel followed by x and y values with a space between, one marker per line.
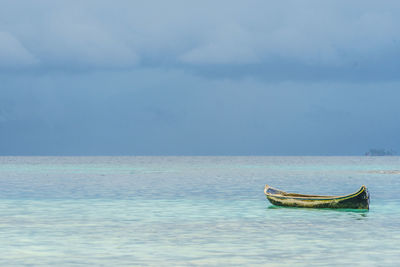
pixel 357 200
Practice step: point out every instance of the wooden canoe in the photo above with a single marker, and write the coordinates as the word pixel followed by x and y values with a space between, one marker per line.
pixel 357 200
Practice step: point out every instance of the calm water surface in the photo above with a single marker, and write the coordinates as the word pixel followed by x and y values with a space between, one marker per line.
pixel 210 211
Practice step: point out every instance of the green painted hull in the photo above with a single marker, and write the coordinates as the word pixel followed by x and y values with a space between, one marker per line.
pixel 357 200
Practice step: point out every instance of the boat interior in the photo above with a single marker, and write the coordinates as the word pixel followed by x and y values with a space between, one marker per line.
pixel 272 191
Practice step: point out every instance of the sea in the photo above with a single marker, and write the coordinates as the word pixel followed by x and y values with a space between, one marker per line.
pixel 194 211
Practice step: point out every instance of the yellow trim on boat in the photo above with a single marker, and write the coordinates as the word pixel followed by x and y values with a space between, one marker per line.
pixel 316 198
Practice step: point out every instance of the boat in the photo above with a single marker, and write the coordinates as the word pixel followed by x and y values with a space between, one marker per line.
pixel 357 200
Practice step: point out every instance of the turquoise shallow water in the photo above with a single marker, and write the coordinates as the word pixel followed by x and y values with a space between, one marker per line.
pixel 194 211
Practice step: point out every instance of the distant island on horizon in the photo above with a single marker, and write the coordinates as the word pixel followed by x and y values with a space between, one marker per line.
pixel 380 152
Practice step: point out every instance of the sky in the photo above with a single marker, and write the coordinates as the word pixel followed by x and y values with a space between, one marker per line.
pixel 199 77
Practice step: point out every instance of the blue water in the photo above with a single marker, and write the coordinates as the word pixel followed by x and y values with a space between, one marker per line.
pixel 160 211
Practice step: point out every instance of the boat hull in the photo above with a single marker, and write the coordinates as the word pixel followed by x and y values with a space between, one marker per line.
pixel 358 200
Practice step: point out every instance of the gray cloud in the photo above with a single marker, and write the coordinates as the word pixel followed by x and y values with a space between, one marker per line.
pixel 209 77
pixel 126 34
pixel 149 111
pixel 13 54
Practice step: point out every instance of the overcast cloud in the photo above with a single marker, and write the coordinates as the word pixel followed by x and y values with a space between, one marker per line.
pixel 199 77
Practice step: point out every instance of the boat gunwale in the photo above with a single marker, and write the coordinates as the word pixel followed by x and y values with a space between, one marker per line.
pixel 312 197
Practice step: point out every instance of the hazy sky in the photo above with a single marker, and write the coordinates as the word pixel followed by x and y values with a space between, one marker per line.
pixel 199 77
